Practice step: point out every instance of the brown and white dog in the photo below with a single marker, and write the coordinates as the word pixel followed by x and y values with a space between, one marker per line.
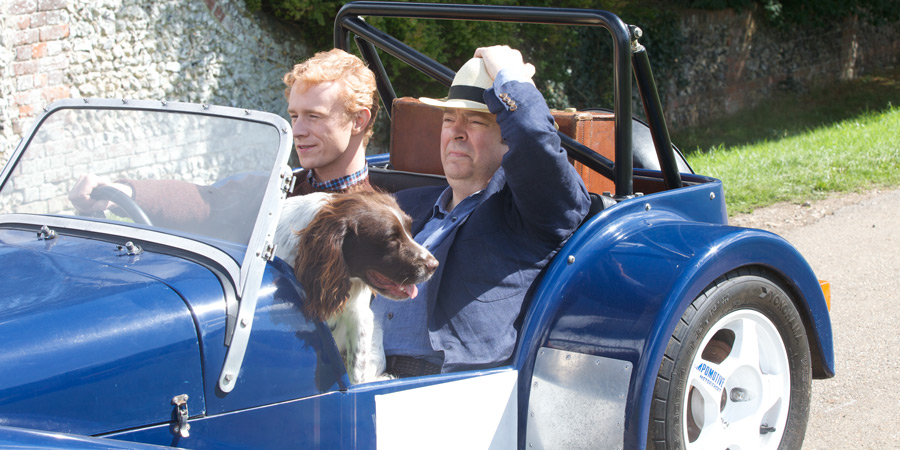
pixel 343 246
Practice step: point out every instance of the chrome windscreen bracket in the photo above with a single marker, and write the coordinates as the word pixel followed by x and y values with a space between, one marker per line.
pixel 259 253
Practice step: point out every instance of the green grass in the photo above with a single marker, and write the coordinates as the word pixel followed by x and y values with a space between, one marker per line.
pixel 840 138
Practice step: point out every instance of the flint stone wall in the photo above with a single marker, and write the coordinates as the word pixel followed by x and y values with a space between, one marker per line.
pixel 214 51
pixel 732 60
pixel 202 51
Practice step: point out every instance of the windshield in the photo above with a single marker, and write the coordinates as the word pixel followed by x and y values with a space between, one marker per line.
pixel 189 172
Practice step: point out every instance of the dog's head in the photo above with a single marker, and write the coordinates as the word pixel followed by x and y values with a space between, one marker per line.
pixel 365 235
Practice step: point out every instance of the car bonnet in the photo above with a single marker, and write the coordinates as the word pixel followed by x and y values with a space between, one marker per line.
pixel 198 145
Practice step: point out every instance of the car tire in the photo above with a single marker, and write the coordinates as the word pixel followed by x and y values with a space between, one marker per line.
pixel 738 361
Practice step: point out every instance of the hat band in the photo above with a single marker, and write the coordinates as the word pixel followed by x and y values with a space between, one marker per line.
pixel 463 92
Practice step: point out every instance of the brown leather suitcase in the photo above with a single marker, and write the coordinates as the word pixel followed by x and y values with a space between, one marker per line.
pixel 595 131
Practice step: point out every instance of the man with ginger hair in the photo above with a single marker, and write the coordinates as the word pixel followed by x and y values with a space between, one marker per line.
pixel 332 103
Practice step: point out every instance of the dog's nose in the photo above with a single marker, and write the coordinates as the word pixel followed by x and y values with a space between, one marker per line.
pixel 431 263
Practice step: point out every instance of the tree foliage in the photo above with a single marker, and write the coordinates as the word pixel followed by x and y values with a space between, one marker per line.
pixel 818 13
pixel 574 64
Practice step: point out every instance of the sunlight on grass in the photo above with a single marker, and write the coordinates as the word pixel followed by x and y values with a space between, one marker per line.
pixel 802 147
pixel 853 155
pixel 792 114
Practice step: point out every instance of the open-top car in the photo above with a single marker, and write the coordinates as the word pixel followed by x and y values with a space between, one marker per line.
pixel 655 325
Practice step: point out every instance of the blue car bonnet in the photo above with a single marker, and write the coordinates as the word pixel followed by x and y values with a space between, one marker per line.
pixel 59 306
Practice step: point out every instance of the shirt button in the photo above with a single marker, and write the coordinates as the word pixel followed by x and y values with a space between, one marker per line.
pixel 453 219
pixel 390 316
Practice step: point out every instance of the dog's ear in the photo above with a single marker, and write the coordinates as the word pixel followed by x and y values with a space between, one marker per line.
pixel 320 265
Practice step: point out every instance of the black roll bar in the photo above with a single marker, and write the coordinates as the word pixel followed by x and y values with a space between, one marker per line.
pixel 348 19
pixel 382 82
pixel 655 118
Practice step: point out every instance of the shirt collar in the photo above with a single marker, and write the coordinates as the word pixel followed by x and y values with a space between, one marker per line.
pixel 440 206
pixel 339 184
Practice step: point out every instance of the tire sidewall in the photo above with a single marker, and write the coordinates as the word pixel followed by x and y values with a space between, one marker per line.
pixel 758 293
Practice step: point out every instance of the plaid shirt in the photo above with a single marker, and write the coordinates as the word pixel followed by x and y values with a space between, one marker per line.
pixel 339 184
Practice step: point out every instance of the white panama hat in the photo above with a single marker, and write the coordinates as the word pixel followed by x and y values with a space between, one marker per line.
pixel 467 89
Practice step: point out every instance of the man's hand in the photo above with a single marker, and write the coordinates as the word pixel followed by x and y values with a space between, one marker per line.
pixel 503 57
pixel 80 195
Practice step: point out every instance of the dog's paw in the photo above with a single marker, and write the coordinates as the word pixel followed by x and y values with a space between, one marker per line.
pixel 385 377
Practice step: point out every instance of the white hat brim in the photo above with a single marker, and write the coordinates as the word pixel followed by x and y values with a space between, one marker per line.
pixel 455 104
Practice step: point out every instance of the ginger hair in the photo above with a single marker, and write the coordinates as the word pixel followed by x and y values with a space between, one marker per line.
pixel 338 66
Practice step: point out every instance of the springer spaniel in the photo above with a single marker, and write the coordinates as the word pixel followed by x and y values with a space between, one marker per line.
pixel 343 246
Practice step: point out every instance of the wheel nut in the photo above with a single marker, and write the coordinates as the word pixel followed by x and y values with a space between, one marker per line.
pixel 740 395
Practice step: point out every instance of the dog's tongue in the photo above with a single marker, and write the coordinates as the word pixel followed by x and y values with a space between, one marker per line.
pixel 391 289
pixel 410 289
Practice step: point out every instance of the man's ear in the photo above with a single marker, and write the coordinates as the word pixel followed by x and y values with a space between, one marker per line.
pixel 360 120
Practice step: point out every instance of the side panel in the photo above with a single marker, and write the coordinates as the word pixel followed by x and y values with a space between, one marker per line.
pixel 477 412
pixel 23 439
pixel 470 409
pixel 577 401
pixel 288 357
pixel 475 409
pixel 309 423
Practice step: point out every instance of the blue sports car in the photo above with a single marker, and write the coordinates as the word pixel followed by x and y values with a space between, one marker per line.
pixel 655 325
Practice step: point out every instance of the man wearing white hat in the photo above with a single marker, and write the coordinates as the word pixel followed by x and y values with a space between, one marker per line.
pixel 513 200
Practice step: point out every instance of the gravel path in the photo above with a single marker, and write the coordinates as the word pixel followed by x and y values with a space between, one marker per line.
pixel 853 241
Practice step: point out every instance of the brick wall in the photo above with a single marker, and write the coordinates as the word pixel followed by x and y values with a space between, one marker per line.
pixel 39 29
pixel 210 51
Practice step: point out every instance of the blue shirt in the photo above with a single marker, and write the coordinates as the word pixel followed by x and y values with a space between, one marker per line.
pixel 405 322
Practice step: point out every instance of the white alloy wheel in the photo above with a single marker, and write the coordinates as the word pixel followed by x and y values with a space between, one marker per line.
pixel 737 370
pixel 739 386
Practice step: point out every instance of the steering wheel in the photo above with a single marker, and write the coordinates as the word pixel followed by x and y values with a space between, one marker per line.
pixel 123 201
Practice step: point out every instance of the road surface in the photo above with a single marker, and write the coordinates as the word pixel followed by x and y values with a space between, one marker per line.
pixel 853 241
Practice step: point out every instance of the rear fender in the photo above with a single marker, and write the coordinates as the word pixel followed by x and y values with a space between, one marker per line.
pixel 621 284
pixel 733 249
